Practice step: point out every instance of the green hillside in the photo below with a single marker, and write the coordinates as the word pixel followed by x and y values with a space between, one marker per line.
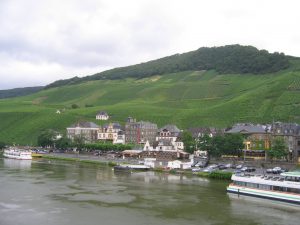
pixel 188 99
pixel 229 59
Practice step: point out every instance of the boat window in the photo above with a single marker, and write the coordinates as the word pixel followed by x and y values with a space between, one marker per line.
pixel 288 178
pixel 294 179
pixel 293 190
pixel 264 187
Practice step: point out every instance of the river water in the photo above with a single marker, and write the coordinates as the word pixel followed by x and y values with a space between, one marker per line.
pixel 43 192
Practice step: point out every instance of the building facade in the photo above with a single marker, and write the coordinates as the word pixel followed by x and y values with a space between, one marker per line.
pixel 257 138
pixel 290 132
pixel 87 131
pixel 109 132
pixel 172 134
pixel 139 132
pixel 102 116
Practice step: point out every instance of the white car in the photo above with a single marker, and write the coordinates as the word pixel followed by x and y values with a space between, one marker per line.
pixel 196 170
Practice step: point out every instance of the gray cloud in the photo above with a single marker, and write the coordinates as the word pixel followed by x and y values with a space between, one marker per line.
pixel 49 40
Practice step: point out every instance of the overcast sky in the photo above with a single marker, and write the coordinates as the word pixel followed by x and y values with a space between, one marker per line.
pixel 43 41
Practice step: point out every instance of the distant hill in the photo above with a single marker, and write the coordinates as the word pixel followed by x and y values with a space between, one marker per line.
pixel 230 59
pixel 212 95
pixel 10 93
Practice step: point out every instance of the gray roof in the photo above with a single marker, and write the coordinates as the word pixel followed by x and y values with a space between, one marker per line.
pixel 170 127
pixel 164 142
pixel 198 131
pixel 103 113
pixel 286 128
pixel 115 126
pixel 247 129
pixel 84 125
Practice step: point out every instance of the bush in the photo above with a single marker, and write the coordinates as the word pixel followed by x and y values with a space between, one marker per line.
pixel 74 106
pixel 216 175
pixel 220 175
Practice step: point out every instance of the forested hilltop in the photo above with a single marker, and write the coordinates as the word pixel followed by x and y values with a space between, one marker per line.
pixel 230 59
pixel 15 92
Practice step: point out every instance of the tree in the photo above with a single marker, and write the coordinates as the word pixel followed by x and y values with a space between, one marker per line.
pixel 217 146
pixel 74 106
pixel 47 138
pixel 189 141
pixel 79 141
pixel 62 143
pixel 205 143
pixel 233 144
pixel 279 149
pixel 2 145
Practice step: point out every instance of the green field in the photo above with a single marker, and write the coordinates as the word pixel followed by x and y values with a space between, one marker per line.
pixel 187 99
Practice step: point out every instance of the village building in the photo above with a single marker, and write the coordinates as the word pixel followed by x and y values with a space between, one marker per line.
pixel 198 132
pixel 120 138
pixel 171 134
pixel 139 132
pixel 109 132
pixel 290 132
pixel 162 153
pixel 102 115
pixel 257 138
pixel 87 131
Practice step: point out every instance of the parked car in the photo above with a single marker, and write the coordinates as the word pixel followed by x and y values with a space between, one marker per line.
pixel 196 170
pixel 222 167
pixel 214 166
pixel 277 170
pixel 239 167
pixel 202 163
pixel 228 165
pixel 248 169
pixel 209 169
pixel 97 153
pixel 233 166
pixel 269 170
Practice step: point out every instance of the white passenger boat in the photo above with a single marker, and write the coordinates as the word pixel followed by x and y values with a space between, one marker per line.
pixel 15 153
pixel 285 187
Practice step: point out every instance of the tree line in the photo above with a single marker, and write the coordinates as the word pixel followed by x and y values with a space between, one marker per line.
pixel 230 144
pixel 48 138
pixel 230 59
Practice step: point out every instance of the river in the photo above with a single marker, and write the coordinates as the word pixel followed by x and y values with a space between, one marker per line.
pixel 50 192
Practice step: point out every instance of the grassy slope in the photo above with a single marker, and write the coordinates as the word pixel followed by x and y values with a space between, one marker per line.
pixel 187 99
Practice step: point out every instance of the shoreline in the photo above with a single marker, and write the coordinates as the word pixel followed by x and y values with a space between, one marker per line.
pixel 220 175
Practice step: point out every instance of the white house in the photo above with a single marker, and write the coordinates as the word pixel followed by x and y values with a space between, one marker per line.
pixel 150 162
pixel 120 138
pixel 172 134
pixel 102 116
pixel 177 164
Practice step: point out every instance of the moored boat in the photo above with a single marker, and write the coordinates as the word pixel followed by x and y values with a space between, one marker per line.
pixel 285 187
pixel 131 167
pixel 15 153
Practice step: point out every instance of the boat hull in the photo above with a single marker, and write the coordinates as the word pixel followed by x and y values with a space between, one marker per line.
pixel 17 154
pixel 264 194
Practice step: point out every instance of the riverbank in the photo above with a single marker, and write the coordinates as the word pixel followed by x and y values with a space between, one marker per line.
pixel 98 161
pixel 77 159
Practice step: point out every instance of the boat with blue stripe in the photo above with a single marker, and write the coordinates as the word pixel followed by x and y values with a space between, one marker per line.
pixel 284 187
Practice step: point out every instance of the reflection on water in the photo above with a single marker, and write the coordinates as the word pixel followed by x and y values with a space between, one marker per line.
pixel 17 164
pixel 70 193
pixel 151 177
pixel 264 209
